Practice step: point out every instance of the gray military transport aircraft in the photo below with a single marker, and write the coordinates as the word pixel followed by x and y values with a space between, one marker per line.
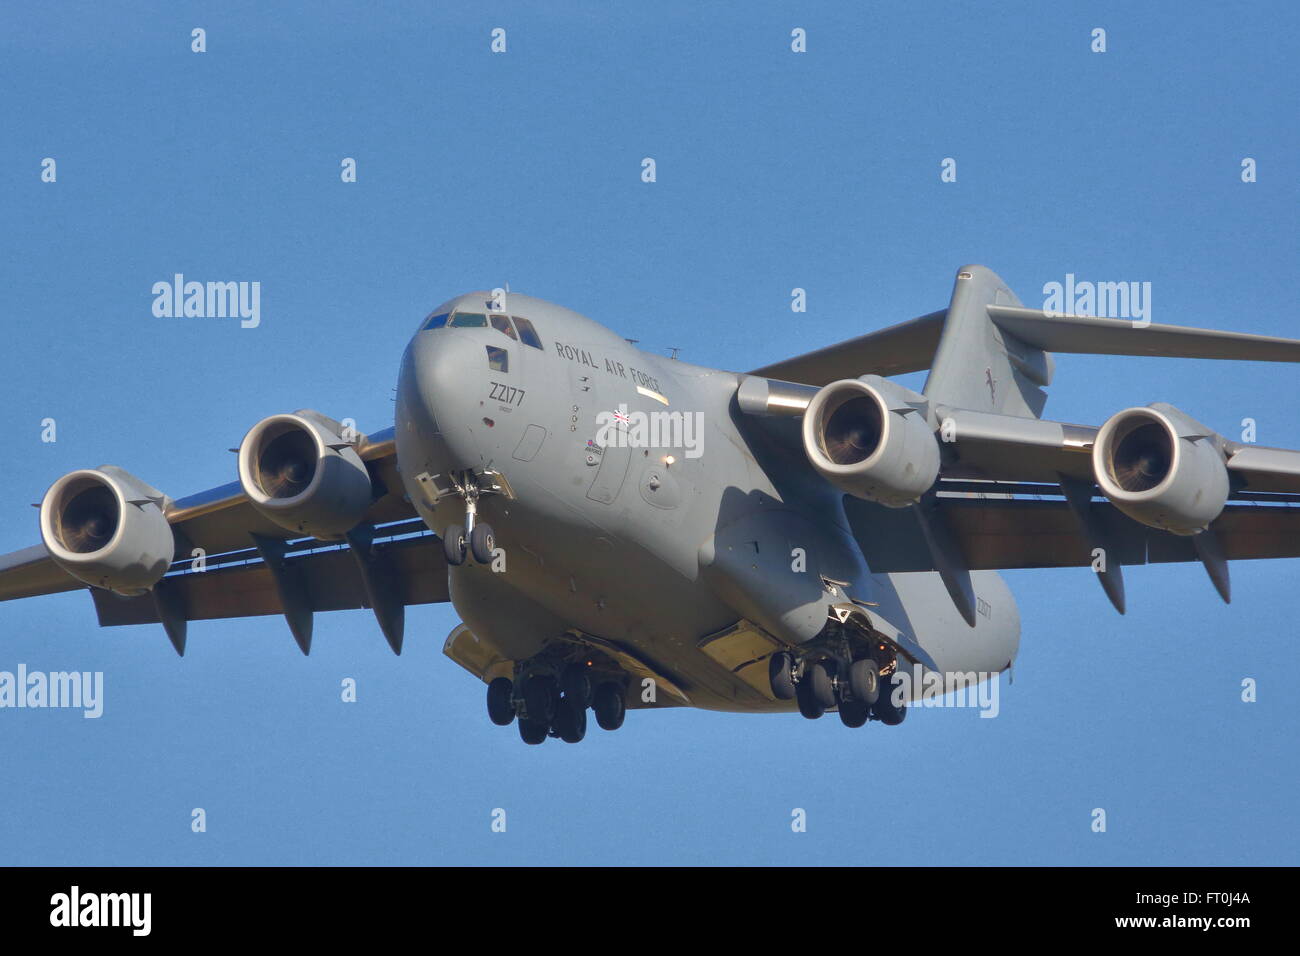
pixel 621 530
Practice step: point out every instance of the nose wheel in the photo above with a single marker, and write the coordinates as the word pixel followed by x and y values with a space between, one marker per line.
pixel 479 544
pixel 482 542
pixel 473 538
pixel 454 545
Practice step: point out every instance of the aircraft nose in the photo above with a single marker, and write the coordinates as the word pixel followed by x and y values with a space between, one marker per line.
pixel 433 389
pixel 426 386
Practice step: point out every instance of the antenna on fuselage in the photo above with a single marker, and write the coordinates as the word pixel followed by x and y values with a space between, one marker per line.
pixel 631 341
pixel 674 349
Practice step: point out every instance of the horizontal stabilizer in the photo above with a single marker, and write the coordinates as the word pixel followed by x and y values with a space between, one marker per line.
pixel 1089 335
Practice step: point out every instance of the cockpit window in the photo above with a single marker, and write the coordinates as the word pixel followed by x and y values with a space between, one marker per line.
pixel 502 324
pixel 435 322
pixel 527 334
pixel 498 359
pixel 468 320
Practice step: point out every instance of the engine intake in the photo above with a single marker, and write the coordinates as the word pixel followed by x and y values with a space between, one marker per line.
pixel 299 472
pixel 108 529
pixel 869 438
pixel 1161 468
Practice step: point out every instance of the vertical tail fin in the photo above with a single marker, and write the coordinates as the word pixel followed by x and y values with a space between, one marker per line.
pixel 979 365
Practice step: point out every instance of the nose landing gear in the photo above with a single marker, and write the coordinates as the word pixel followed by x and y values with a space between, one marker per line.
pixel 474 538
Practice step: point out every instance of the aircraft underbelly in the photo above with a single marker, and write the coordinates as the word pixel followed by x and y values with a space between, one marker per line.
pixel 919 605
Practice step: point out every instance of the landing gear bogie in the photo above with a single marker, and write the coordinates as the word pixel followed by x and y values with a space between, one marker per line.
pixel 855 684
pixel 554 690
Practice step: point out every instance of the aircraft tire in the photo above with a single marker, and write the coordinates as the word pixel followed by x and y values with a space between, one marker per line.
pixel 453 545
pixel 884 708
pixel 808 705
pixel 780 667
pixel 532 732
pixel 541 697
pixel 500 701
pixel 609 706
pixel 818 679
pixel 571 720
pixel 575 683
pixel 854 713
pixel 482 542
pixel 864 681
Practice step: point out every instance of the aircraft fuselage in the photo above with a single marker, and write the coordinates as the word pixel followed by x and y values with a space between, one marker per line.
pixel 640 507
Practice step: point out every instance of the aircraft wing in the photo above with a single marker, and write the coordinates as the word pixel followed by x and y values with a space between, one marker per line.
pixel 250 566
pixel 906 347
pixel 1009 448
pixel 980 481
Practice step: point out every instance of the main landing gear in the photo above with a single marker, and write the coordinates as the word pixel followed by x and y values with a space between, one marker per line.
pixel 556 704
pixel 859 689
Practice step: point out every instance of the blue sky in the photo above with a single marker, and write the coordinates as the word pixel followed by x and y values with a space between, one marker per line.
pixel 775 171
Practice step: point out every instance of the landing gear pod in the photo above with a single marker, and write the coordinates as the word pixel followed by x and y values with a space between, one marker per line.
pixel 869 437
pixel 108 529
pixel 298 471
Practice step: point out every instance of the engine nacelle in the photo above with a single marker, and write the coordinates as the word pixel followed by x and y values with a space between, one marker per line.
pixel 108 528
pixel 869 437
pixel 298 471
pixel 1161 468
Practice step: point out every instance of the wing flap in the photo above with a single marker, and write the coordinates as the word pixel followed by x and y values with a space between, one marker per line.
pixel 1000 533
pixel 329 577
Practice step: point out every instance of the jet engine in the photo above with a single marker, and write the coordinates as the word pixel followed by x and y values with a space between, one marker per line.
pixel 108 528
pixel 869 437
pixel 1161 468
pixel 298 471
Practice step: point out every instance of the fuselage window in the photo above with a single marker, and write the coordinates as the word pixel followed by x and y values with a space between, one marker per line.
pixel 502 324
pixel 468 320
pixel 435 322
pixel 498 359
pixel 527 334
